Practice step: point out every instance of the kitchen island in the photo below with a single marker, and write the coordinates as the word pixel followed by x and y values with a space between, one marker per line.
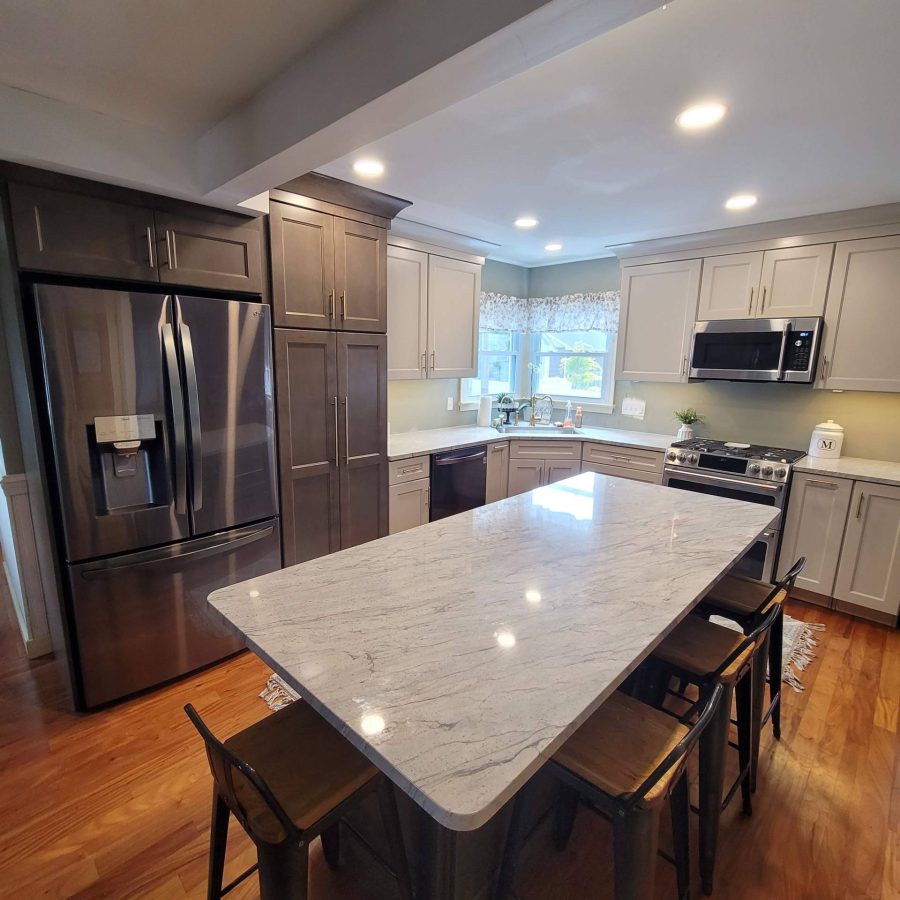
pixel 460 655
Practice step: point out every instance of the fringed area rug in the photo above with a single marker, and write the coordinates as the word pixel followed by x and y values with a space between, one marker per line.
pixel 798 651
pixel 798 647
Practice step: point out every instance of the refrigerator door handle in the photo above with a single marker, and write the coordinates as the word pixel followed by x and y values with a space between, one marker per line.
pixel 193 393
pixel 177 405
pixel 203 547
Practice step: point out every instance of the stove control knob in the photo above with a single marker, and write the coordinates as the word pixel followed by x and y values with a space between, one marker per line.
pixel 780 473
pixel 681 457
pixel 693 458
pixel 754 468
pixel 767 471
pixel 672 455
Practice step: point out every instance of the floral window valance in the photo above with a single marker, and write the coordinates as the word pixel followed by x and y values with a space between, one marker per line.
pixel 571 312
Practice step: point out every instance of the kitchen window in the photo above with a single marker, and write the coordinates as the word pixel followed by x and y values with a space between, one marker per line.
pixel 574 364
pixel 499 366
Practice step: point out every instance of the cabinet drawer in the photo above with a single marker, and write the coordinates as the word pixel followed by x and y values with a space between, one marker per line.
pixel 536 448
pixel 403 470
pixel 624 457
pixel 631 474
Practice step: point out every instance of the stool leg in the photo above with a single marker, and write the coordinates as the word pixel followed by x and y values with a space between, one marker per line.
pixel 283 871
pixel 635 841
pixel 331 845
pixel 564 816
pixel 713 743
pixel 776 664
pixel 387 803
pixel 514 837
pixel 758 702
pixel 681 835
pixel 218 838
pixel 744 692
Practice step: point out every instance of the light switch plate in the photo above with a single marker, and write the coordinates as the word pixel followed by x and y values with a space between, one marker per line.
pixel 632 406
pixel 450 404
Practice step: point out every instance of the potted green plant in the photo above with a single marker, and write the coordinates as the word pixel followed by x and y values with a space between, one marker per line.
pixel 688 418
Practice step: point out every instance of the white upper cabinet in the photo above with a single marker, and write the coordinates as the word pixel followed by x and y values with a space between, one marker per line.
pixel 861 350
pixel 794 281
pixel 407 312
pixel 729 288
pixel 433 305
pixel 656 320
pixel 454 295
pixel 775 284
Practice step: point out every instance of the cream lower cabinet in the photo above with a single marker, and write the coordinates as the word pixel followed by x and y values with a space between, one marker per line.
pixel 497 484
pixel 635 463
pixel 525 475
pixel 534 463
pixel 868 576
pixel 656 320
pixel 814 528
pixel 631 474
pixel 408 493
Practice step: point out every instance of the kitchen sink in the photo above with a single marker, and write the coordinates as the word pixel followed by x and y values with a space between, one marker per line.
pixel 526 428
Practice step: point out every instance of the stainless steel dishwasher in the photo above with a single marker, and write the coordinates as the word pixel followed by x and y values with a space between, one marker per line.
pixel 458 480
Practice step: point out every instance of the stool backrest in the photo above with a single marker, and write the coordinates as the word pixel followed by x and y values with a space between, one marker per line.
pixel 752 638
pixel 681 749
pixel 787 581
pixel 266 821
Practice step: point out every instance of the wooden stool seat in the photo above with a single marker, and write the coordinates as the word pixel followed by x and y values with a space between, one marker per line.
pixel 744 596
pixel 700 647
pixel 620 746
pixel 331 770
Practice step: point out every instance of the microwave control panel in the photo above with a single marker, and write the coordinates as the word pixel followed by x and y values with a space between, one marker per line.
pixel 799 350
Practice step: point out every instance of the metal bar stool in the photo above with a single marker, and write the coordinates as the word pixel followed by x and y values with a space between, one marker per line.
pixel 289 779
pixel 747 602
pixel 706 655
pixel 624 762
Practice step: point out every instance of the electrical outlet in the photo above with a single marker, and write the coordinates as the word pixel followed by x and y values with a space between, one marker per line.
pixel 449 404
pixel 632 406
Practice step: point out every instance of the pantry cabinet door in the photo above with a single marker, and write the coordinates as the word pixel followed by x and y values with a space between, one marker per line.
pixel 795 281
pixel 861 351
pixel 360 276
pixel 869 572
pixel 656 320
pixel 729 288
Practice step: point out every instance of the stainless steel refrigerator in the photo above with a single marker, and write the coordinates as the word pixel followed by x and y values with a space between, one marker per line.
pixel 161 421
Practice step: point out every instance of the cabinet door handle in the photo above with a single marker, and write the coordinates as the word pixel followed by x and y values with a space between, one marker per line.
pixel 622 458
pixel 825 484
pixel 424 361
pixel 750 304
pixel 343 304
pixel 824 368
pixel 171 259
pixel 150 247
pixel 859 506
pixel 683 364
pixel 337 452
pixel 432 360
pixel 762 307
pixel 347 429
pixel 331 304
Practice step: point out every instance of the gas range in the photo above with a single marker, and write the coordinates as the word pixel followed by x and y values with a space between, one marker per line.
pixel 730 458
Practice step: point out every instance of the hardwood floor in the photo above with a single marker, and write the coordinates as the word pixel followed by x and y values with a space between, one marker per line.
pixel 116 804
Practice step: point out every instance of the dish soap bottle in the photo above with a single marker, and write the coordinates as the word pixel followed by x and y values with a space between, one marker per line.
pixel 579 416
pixel 567 422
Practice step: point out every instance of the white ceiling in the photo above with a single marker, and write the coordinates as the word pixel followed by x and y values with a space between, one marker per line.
pixel 171 64
pixel 587 141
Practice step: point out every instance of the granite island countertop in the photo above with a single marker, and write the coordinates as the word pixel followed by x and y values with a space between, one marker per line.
pixel 875 470
pixel 458 656
pixel 436 440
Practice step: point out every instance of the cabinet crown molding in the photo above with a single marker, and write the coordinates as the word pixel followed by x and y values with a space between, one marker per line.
pixel 326 189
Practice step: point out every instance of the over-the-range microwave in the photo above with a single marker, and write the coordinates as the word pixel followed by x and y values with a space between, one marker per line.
pixel 757 350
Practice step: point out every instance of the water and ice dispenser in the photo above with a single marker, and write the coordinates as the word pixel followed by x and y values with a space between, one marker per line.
pixel 128 456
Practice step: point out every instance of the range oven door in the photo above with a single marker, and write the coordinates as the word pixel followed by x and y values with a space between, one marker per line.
pixel 759 561
pixel 756 350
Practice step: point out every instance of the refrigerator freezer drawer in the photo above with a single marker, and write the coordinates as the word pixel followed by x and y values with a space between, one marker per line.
pixel 144 618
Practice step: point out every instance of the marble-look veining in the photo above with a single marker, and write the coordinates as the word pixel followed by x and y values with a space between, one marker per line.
pixel 877 470
pixel 459 655
pixel 436 440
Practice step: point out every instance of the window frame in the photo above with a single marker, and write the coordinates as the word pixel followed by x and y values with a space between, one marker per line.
pixel 518 363
pixel 604 403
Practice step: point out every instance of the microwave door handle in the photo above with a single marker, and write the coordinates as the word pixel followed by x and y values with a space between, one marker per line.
pixel 190 371
pixel 177 406
pixel 785 334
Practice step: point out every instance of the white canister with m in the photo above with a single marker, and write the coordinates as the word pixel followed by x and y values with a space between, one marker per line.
pixel 827 440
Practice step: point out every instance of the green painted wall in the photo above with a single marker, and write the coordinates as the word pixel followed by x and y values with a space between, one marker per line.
pixel 504 278
pixel 574 278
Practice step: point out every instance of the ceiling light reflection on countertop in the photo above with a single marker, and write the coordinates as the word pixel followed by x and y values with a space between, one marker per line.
pixel 701 115
pixel 369 168
pixel 505 639
pixel 552 248
pixel 533 596
pixel 525 222
pixel 740 201
pixel 372 724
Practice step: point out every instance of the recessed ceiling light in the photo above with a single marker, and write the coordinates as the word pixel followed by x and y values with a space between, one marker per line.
pixel 368 168
pixel 553 247
pixel 740 201
pixel 701 115
pixel 525 222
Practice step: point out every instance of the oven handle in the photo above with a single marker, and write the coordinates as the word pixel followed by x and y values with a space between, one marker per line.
pixel 702 477
pixel 785 333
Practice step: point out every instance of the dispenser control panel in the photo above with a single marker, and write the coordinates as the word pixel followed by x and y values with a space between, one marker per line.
pixel 116 429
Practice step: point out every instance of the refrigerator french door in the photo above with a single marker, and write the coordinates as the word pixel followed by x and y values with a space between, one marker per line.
pixel 161 415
